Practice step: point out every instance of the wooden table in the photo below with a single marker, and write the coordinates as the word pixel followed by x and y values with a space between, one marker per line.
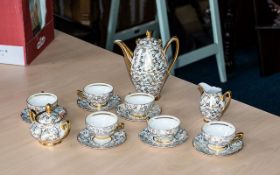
pixel 67 65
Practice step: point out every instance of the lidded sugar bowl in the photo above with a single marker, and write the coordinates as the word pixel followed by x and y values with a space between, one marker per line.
pixel 48 127
pixel 148 66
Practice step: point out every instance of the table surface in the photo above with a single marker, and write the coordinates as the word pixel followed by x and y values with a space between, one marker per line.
pixel 69 64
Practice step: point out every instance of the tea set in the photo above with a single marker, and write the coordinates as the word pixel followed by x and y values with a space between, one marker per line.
pixel 148 69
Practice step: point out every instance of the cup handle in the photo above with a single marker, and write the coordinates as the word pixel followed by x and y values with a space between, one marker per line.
pixel 238 136
pixel 148 118
pixel 227 97
pixel 120 126
pixel 66 126
pixel 81 94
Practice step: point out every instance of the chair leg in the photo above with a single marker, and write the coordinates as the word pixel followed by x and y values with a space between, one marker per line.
pixel 163 25
pixel 112 26
pixel 217 36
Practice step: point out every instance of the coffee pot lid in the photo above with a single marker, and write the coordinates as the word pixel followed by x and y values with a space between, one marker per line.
pixel 149 40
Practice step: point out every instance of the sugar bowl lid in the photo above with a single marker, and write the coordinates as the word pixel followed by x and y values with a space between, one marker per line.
pixel 48 116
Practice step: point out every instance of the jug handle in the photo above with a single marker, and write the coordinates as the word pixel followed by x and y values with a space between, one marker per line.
pixel 226 95
pixel 174 38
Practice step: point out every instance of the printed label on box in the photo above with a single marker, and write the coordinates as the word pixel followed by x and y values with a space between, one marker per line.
pixel 12 54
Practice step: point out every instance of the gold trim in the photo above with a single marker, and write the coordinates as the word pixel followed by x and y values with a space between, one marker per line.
pixel 32 115
pixel 174 38
pixel 48 108
pixel 47 143
pixel 216 148
pixel 148 34
pixel 102 137
pixel 227 95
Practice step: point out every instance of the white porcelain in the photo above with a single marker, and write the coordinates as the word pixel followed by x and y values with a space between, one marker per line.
pixel 102 124
pixel 212 102
pixel 164 127
pixel 139 104
pixel 149 138
pixel 124 113
pixel 48 127
pixel 201 145
pixel 219 134
pixel 98 94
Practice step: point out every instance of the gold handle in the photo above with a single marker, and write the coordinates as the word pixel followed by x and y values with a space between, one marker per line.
pixel 148 118
pixel 48 108
pixel 200 89
pixel 227 95
pixel 32 115
pixel 120 126
pixel 174 38
pixel 238 136
pixel 66 126
pixel 81 94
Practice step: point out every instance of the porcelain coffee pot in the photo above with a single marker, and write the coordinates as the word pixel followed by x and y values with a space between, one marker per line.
pixel 212 102
pixel 48 127
pixel 148 66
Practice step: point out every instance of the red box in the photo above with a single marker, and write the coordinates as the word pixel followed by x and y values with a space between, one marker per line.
pixel 26 29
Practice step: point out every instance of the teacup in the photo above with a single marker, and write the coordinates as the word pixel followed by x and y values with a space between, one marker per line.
pixel 102 125
pixel 164 127
pixel 139 104
pixel 220 134
pixel 38 101
pixel 98 94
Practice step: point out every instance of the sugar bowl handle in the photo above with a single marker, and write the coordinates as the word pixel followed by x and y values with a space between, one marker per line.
pixel 81 94
pixel 227 97
pixel 176 40
pixel 32 115
pixel 65 126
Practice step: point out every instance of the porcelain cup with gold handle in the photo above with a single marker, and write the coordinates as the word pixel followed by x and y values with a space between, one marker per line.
pixel 102 125
pixel 220 134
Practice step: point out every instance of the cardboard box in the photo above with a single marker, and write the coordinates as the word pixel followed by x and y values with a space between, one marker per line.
pixel 26 29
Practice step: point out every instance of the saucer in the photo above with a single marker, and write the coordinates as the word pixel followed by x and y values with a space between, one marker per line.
pixel 85 138
pixel 147 137
pixel 122 112
pixel 200 145
pixel 113 102
pixel 25 113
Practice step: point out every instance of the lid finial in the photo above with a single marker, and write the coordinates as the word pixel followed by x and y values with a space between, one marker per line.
pixel 148 34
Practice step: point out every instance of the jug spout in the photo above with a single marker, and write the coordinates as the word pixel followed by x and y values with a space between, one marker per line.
pixel 127 53
pixel 204 87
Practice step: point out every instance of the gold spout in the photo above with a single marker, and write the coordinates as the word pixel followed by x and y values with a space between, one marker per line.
pixel 127 53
